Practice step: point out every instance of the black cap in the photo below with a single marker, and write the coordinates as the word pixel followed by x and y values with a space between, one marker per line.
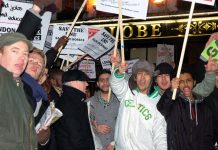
pixel 74 75
pixel 163 68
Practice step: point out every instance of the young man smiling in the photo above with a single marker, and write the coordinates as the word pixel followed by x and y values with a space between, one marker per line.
pixel 139 125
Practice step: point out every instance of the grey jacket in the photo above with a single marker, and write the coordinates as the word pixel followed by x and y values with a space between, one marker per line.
pixel 103 113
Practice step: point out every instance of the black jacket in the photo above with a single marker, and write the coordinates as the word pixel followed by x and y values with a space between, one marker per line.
pixel 73 130
pixel 212 103
pixel 185 130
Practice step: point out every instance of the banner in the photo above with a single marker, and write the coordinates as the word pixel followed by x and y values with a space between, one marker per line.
pixel 130 65
pixel 211 49
pixel 48 39
pixel 132 8
pixel 39 38
pixel 105 61
pixel 76 39
pixel 206 2
pixel 165 53
pixel 11 14
pixel 99 44
pixel 88 67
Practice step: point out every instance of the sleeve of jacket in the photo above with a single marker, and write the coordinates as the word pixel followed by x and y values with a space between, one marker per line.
pixel 119 84
pixel 208 138
pixel 29 24
pixel 73 136
pixel 165 103
pixel 50 55
pixel 159 130
pixel 206 86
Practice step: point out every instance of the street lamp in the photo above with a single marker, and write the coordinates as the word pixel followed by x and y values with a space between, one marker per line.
pixel 158 2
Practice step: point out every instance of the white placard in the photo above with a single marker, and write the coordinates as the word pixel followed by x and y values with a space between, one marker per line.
pixel 99 44
pixel 165 53
pixel 70 58
pixel 206 2
pixel 11 14
pixel 132 8
pixel 78 36
pixel 130 65
pixel 88 67
pixel 48 39
pixel 105 62
pixel 91 30
pixel 39 39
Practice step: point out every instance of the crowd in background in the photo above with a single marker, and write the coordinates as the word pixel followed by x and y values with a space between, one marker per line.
pixel 127 112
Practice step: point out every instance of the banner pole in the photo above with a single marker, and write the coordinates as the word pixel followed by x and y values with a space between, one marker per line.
pixel 184 45
pixel 72 26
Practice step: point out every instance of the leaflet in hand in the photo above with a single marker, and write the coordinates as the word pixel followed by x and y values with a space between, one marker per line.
pixel 51 115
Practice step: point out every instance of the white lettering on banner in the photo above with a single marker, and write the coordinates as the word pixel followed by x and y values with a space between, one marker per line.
pixel 131 8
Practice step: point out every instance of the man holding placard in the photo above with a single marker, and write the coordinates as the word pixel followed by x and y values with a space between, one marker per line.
pixel 140 126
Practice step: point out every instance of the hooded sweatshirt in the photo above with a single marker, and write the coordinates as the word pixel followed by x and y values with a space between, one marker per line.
pixel 189 123
pixel 139 124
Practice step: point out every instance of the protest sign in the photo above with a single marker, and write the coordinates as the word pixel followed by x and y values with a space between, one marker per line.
pixel 91 30
pixel 77 37
pixel 211 49
pixel 11 14
pixel 39 38
pixel 131 8
pixel 99 44
pixel 206 2
pixel 105 62
pixel 48 39
pixel 70 58
pixel 165 53
pixel 88 67
pixel 130 65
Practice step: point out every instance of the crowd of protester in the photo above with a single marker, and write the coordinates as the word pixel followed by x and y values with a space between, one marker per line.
pixel 127 112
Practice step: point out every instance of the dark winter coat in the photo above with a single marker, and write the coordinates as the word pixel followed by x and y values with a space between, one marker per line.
pixel 189 123
pixel 212 103
pixel 73 130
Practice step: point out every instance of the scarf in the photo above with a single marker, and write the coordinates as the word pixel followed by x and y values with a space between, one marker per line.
pixel 38 91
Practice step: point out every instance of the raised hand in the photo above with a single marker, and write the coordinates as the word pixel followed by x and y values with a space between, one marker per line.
pixel 211 65
pixel 62 41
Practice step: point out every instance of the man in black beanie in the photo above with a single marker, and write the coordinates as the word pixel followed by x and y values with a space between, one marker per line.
pixel 73 130
pixel 163 75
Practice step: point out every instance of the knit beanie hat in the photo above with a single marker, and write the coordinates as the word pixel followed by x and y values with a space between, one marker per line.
pixel 74 75
pixel 11 38
pixel 163 68
pixel 140 65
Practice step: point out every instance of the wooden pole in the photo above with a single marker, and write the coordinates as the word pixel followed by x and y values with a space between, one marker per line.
pixel 184 45
pixel 72 26
pixel 121 31
pixel 114 54
pixel 77 60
